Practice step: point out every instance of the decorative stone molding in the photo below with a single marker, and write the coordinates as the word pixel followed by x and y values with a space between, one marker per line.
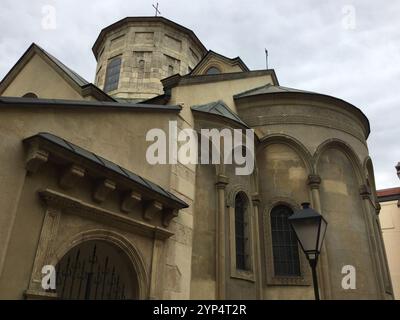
pixel 314 181
pixel 130 201
pixel 168 215
pixel 119 241
pixel 36 157
pixel 256 199
pixel 103 189
pixel 232 191
pixel 71 176
pixel 332 119
pixel 151 209
pixel 39 295
pixel 77 207
pixel 105 176
pixel 44 250
pixel 222 181
pixel 365 191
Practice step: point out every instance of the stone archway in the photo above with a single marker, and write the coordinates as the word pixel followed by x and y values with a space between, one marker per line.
pixel 99 265
pixel 96 270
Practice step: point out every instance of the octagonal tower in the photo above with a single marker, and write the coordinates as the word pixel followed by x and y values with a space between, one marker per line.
pixel 135 53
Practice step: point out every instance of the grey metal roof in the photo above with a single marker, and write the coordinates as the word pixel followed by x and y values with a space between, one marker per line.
pixel 108 165
pixel 269 88
pixel 213 53
pixel 85 103
pixel 71 73
pixel 221 109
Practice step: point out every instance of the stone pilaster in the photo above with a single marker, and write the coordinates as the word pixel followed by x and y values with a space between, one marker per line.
pixel 314 182
pixel 221 183
pixel 256 204
pixel 365 194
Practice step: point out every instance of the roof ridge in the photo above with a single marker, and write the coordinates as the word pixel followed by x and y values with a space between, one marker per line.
pixel 253 89
pixel 75 76
pixel 211 107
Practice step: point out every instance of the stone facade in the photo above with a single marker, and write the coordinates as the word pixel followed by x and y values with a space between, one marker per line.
pixel 87 186
pixel 389 218
pixel 151 49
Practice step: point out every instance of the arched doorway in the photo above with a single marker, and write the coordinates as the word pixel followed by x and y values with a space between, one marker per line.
pixel 97 270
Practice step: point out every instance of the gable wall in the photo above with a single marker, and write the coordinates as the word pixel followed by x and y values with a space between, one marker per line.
pixel 39 77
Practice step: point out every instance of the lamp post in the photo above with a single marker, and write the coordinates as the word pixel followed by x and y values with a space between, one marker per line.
pixel 309 227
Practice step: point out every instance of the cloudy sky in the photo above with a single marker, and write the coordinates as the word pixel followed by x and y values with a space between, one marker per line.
pixel 349 49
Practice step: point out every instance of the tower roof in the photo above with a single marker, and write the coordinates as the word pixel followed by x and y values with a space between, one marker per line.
pixel 127 20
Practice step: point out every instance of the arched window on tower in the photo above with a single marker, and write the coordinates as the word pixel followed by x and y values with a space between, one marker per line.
pixel 284 243
pixel 112 74
pixel 141 65
pixel 213 70
pixel 170 70
pixel 241 232
pixel 30 95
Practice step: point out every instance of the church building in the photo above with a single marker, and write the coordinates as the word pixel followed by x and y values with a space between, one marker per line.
pixel 79 198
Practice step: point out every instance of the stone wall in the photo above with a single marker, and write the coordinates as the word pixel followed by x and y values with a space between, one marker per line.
pixel 150 51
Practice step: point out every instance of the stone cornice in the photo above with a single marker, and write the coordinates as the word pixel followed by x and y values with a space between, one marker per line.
pixel 296 99
pixel 314 181
pixel 321 121
pixel 70 205
pixel 76 164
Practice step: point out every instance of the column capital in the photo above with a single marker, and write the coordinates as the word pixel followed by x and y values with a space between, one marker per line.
pixel 314 181
pixel 377 207
pixel 365 191
pixel 222 181
pixel 255 198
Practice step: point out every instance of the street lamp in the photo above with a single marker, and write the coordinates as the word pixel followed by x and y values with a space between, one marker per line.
pixel 309 227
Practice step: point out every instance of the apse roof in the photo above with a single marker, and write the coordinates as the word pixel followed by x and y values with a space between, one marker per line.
pixel 279 90
pixel 94 158
pixel 221 109
pixel 268 88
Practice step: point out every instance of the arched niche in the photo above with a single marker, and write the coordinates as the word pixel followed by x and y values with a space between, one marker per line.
pixel 346 149
pixel 370 177
pixel 282 172
pixel 291 142
pixel 347 234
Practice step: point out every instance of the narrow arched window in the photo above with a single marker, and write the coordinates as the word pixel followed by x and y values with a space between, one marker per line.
pixel 170 70
pixel 241 237
pixel 112 74
pixel 213 70
pixel 141 65
pixel 30 95
pixel 284 243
